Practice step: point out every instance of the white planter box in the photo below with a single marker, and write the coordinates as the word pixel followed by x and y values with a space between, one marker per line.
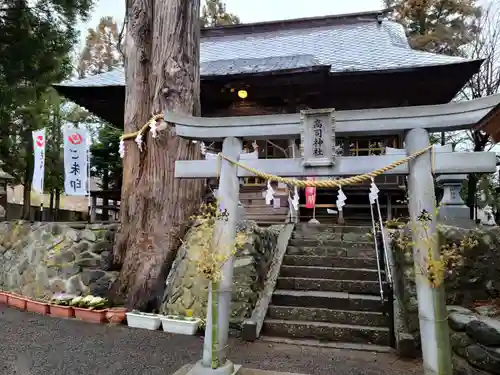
pixel 145 321
pixel 181 326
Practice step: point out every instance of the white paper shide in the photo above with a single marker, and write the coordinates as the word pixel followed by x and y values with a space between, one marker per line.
pixel 39 142
pixel 75 161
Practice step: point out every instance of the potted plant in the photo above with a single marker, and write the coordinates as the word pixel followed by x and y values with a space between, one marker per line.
pixel 184 325
pixel 39 307
pixel 116 315
pixel 4 297
pixel 17 301
pixel 90 309
pixel 59 306
pixel 137 319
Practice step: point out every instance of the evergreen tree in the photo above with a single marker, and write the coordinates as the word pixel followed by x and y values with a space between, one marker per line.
pixel 36 39
pixel 440 26
pixel 100 54
pixel 214 14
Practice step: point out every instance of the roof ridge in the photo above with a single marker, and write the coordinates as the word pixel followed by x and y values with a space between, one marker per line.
pixel 296 23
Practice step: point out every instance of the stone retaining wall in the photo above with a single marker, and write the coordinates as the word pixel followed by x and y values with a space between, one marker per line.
pixel 188 291
pixel 472 274
pixel 40 259
pixel 475 339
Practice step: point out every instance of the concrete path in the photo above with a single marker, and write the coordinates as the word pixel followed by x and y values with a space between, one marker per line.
pixel 31 344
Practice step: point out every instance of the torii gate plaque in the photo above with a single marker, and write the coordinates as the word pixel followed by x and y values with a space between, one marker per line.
pixel 317 137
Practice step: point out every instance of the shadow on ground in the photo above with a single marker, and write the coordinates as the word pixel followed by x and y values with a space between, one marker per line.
pixel 31 344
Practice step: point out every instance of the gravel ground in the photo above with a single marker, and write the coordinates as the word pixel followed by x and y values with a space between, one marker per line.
pixel 31 344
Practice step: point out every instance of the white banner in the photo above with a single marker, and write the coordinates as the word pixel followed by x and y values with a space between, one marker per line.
pixel 39 142
pixel 75 161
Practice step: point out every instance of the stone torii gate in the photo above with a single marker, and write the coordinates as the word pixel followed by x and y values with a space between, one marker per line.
pixel 317 130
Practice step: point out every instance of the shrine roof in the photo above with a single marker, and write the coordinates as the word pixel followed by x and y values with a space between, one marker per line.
pixel 361 42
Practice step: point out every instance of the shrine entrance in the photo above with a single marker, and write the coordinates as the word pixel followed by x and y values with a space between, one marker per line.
pixel 317 158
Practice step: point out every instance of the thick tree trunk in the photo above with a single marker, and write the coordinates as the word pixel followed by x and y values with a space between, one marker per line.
pixel 28 175
pixel 51 205
pixel 162 73
pixel 105 187
pixel 58 205
pixel 480 142
pixel 471 194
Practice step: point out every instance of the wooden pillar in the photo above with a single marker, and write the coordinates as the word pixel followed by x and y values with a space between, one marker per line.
pixel 93 209
pixel 294 149
pixel 224 237
pixel 294 153
pixel 389 207
pixel 434 329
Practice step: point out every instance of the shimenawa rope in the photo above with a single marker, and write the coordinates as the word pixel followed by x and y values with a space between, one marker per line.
pixel 302 183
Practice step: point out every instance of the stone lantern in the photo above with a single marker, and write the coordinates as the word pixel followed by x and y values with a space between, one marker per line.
pixel 5 179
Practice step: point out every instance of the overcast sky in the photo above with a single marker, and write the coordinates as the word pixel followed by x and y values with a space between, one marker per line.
pixel 252 10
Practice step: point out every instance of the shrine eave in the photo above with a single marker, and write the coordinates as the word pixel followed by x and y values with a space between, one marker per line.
pixel 490 124
pixel 435 118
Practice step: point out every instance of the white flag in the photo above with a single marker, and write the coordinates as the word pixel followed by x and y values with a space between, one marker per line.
pixel 75 161
pixel 39 154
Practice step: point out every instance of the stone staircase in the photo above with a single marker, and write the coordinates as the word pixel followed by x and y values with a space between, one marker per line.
pixel 256 209
pixel 328 290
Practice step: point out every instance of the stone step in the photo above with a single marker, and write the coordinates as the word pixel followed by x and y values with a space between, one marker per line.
pixel 264 209
pixel 332 251
pixel 327 344
pixel 306 228
pixel 329 285
pixel 314 314
pixel 330 243
pixel 335 273
pixel 271 219
pixel 264 216
pixel 252 188
pixel 329 261
pixel 327 331
pixel 335 236
pixel 327 300
pixel 265 224
pixel 252 195
pixel 261 203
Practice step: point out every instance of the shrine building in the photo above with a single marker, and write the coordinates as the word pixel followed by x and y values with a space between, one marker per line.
pixel 345 62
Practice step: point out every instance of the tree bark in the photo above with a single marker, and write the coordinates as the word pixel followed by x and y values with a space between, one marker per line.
pixel 28 175
pixel 58 205
pixel 162 74
pixel 480 141
pixel 105 187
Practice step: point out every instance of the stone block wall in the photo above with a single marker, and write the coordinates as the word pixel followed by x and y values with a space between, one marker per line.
pixel 187 290
pixel 40 259
pixel 472 278
pixel 475 339
pixel 473 275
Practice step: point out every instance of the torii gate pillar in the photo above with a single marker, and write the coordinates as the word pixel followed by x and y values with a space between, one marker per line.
pixel 223 239
pixel 434 331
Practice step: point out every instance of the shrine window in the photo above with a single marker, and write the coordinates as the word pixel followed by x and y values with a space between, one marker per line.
pixel 371 145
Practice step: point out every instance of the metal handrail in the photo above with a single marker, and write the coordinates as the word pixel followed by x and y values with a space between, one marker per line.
pixel 384 245
pixel 375 240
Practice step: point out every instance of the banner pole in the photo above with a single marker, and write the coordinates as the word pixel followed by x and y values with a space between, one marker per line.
pixel 89 204
pixel 43 183
pixel 39 147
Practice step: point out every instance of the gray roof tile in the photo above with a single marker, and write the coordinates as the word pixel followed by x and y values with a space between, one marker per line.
pixel 361 46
